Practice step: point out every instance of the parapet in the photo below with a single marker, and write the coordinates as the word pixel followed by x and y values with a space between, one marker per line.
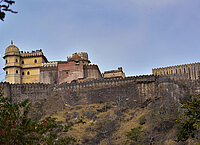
pixel 50 64
pixel 114 73
pixel 91 66
pixel 33 54
pixel 79 56
pixel 174 66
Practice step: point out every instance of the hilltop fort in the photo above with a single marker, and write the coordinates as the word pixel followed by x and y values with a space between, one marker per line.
pixel 77 81
pixel 33 67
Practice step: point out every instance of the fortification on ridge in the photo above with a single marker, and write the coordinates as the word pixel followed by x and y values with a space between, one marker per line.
pixel 33 67
pixel 185 71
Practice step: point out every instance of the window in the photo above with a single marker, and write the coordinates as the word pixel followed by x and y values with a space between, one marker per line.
pixel 16 71
pixel 6 72
pixel 171 71
pixel 22 73
pixel 6 61
pixel 28 73
pixel 16 60
pixel 22 62
pixel 35 60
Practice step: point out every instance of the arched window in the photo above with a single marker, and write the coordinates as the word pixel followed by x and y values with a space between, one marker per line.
pixel 6 72
pixel 35 60
pixel 16 71
pixel 22 73
pixel 6 61
pixel 22 62
pixel 16 60
pixel 28 73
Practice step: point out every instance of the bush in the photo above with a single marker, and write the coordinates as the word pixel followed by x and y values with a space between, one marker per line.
pixel 134 135
pixel 189 120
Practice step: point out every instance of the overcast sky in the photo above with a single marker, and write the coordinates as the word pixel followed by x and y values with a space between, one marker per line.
pixel 136 34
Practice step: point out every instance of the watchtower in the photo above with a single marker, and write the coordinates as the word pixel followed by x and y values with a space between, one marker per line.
pixel 12 64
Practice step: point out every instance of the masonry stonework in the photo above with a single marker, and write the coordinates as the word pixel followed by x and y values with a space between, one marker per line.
pixel 33 67
pixel 185 71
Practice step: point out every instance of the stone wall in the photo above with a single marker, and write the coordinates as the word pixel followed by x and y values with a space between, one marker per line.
pixel 114 73
pixel 69 71
pixel 49 75
pixel 92 72
pixel 185 71
pixel 128 91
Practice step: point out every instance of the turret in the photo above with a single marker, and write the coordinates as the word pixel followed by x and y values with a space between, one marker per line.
pixel 12 64
pixel 79 57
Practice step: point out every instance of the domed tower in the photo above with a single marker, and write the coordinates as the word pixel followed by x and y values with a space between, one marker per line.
pixel 12 64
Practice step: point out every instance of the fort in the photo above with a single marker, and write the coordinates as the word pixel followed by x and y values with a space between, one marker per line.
pixel 33 67
pixel 29 75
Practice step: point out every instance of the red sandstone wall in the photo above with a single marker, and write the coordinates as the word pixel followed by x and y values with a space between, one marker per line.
pixel 69 71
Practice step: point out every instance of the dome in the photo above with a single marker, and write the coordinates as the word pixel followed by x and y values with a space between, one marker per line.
pixel 12 49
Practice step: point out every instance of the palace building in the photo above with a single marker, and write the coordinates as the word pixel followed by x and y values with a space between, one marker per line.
pixel 33 67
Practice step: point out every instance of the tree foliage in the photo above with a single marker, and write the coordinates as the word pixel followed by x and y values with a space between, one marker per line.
pixel 5 7
pixel 134 135
pixel 17 128
pixel 189 119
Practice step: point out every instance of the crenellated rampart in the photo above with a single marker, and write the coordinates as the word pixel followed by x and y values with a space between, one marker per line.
pixel 137 88
pixel 98 83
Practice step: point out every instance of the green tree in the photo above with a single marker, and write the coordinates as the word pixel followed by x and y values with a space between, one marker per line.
pixel 189 119
pixel 17 128
pixel 5 7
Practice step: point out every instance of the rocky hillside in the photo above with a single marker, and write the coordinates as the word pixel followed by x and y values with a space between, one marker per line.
pixel 108 123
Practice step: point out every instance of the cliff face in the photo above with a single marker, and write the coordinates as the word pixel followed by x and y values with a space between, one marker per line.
pixel 111 107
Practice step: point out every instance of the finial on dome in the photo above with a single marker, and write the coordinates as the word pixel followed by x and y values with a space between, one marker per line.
pixel 11 42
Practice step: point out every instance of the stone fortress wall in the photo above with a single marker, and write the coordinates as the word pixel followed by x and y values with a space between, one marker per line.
pixel 49 73
pixel 39 91
pixel 131 91
pixel 76 81
pixel 185 71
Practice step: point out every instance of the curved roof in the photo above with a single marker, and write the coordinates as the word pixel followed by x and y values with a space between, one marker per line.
pixel 12 50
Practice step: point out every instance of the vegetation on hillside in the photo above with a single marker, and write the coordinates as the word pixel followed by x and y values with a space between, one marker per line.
pixel 17 128
pixel 189 119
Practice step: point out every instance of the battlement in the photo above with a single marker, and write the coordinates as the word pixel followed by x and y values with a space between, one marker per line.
pixel 105 82
pixel 114 73
pixel 181 65
pixel 189 71
pixel 80 56
pixel 91 66
pixel 33 53
pixel 50 64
